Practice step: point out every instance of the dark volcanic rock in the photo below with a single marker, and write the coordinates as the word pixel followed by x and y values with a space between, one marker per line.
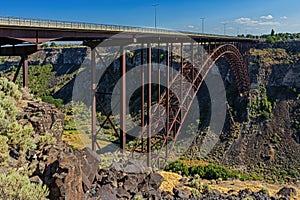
pixel 44 118
pixel 64 176
pixel 154 180
pixel 56 165
pixel 126 185
pixel 287 192
pixel 90 166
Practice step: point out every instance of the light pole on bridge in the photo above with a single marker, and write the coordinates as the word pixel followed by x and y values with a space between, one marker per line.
pixel 155 6
pixel 202 19
pixel 224 24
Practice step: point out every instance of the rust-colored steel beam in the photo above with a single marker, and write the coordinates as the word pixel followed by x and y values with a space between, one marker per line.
pixel 25 71
pixel 167 100
pixel 18 69
pixel 19 50
pixel 149 101
pixel 158 68
pixel 93 98
pixel 142 96
pixel 123 100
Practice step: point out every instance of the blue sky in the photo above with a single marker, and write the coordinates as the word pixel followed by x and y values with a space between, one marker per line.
pixel 240 16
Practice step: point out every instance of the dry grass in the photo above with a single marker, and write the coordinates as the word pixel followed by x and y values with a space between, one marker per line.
pixel 73 139
pixel 189 162
pixel 254 186
pixel 172 179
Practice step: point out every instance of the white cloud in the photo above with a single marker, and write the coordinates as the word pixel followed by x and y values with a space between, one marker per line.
pixel 190 26
pixel 269 23
pixel 246 21
pixel 283 17
pixel 267 17
pixel 251 22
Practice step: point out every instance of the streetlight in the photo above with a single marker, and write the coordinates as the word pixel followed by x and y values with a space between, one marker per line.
pixel 224 24
pixel 202 24
pixel 155 5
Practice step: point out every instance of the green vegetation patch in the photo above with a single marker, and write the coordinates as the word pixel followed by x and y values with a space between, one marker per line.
pixel 14 181
pixel 209 172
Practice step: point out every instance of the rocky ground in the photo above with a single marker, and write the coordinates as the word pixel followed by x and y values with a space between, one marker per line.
pixel 75 174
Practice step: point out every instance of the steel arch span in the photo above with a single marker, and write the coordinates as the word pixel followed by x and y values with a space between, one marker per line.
pixel 236 61
pixel 176 117
pixel 159 119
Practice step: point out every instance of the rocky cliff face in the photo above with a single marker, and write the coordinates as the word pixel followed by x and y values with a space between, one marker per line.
pixel 276 65
pixel 266 143
pixel 56 165
pixel 54 56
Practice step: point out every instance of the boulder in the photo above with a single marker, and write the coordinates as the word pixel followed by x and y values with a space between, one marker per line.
pixel 287 192
pixel 90 166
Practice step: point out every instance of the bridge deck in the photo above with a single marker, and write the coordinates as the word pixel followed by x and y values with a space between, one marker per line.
pixel 24 29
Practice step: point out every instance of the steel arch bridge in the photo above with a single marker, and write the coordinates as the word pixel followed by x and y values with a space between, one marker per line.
pixel 22 37
pixel 194 71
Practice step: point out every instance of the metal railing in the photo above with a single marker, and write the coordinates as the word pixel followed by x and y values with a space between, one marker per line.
pixel 58 24
pixel 44 23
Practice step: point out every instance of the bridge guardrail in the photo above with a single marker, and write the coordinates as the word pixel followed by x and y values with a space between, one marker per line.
pixel 45 23
pixel 20 21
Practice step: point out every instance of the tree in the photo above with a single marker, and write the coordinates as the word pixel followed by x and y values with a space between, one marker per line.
pixel 270 39
pixel 250 36
pixel 292 36
pixel 272 32
pixel 277 37
pixel 53 44
pixel 45 45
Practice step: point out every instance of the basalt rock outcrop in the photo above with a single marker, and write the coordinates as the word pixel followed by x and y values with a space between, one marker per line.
pixel 64 171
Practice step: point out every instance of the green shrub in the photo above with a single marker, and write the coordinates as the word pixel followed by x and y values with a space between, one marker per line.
pixel 206 189
pixel 212 171
pixel 293 173
pixel 264 191
pixel 177 167
pixel 200 170
pixel 261 106
pixel 49 99
pixel 16 186
pixel 46 139
pixel 251 177
pixel 216 172
pixel 14 182
pixel 196 193
pixel 12 133
pixel 195 183
pixel 270 39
